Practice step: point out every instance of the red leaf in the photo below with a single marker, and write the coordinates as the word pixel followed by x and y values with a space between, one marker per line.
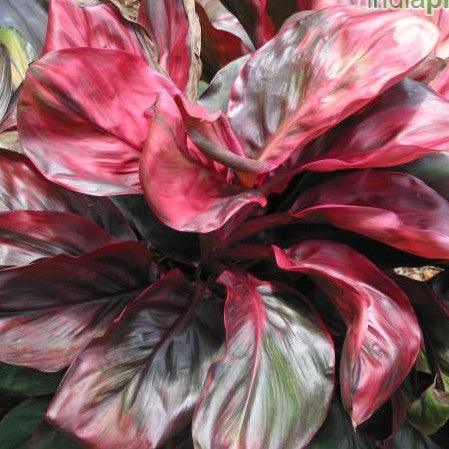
pixel 51 309
pixel 394 208
pixel 82 117
pixel 223 38
pixel 403 124
pixel 383 337
pixel 327 65
pixel 29 235
pixel 100 26
pixel 186 190
pixel 22 187
pixel 171 29
pixel 273 386
pixel 137 386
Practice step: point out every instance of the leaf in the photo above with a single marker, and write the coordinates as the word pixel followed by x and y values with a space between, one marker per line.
pixel 305 92
pixel 5 81
pixel 409 438
pixel 181 246
pixel 45 437
pixel 99 26
pixel 185 190
pixel 217 94
pixel 403 124
pixel 383 336
pixel 50 310
pixel 74 93
pixel 174 27
pixel 273 386
pixel 21 54
pixel 391 207
pixel 26 236
pixel 21 421
pixel 223 38
pixel 20 381
pixel 29 17
pixel 254 17
pixel 22 187
pixel 146 373
pixel 338 433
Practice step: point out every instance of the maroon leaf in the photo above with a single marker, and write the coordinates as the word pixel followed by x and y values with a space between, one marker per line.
pixel 29 235
pixel 186 190
pixel 22 187
pixel 99 26
pixel 281 102
pixel 51 309
pixel 403 124
pixel 273 386
pixel 223 38
pixel 140 382
pixel 173 27
pixel 394 208
pixel 82 117
pixel 383 335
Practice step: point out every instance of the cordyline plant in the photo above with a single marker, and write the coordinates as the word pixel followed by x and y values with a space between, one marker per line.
pixel 202 208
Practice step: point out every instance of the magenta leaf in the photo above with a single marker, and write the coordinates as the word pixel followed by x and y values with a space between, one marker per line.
pixel 186 190
pixel 273 386
pixel 22 187
pixel 403 124
pixel 383 335
pixel 82 117
pixel 327 66
pixel 146 373
pixel 392 207
pixel 99 26
pixel 51 309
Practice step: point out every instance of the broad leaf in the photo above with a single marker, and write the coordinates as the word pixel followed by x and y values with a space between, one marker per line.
pixel 174 28
pixel 273 386
pixel 22 187
pixel 51 309
pixel 391 207
pixel 325 67
pixel 185 190
pixel 383 335
pixel 5 80
pixel 29 235
pixel 405 123
pixel 145 375
pixel 29 17
pixel 84 126
pixel 217 94
pixel 99 26
pixel 223 38
pixel 408 438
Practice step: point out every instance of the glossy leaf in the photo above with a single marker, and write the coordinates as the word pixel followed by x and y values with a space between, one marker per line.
pixel 273 386
pixel 146 373
pixel 405 123
pixel 223 37
pixel 174 28
pixel 184 189
pixel 26 236
pixel 29 17
pixel 217 94
pixel 22 187
pixel 51 309
pixel 305 91
pixel 99 26
pixel 84 126
pixel 383 335
pixel 391 207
